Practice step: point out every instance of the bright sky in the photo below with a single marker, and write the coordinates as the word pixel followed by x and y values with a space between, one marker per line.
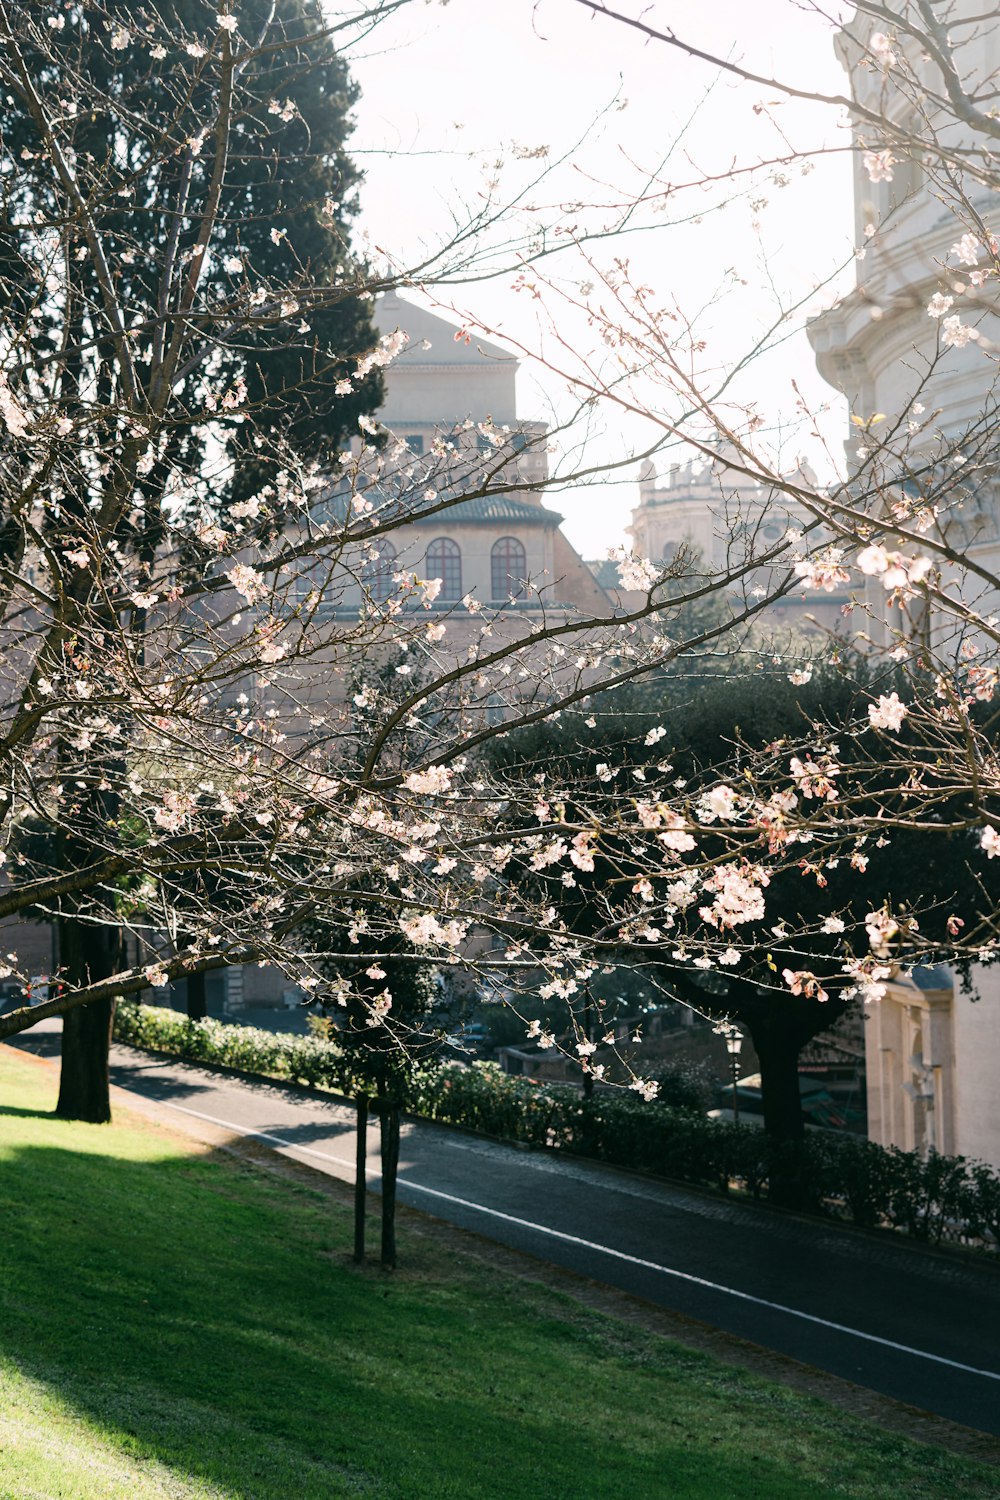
pixel 449 90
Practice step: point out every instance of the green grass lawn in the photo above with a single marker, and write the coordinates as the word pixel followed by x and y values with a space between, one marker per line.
pixel 178 1323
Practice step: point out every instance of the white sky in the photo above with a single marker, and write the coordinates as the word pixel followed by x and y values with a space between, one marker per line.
pixel 447 89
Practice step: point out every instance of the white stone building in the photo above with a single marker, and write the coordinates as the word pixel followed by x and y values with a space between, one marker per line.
pixel 880 346
pixel 932 1050
pixel 720 520
pixel 494 546
pixel 931 1054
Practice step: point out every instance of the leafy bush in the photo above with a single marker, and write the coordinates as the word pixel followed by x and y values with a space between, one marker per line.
pixel 876 1186
pixel 300 1059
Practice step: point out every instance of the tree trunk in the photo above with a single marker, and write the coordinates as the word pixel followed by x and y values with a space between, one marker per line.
pixel 87 954
pixel 778 1054
pixel 84 1084
pixel 778 1051
pixel 360 1176
pixel 390 1163
pixel 197 1002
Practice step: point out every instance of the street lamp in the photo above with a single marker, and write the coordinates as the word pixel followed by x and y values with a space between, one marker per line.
pixel 734 1042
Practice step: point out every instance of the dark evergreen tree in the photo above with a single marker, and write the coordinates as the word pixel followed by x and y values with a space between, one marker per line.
pixel 211 195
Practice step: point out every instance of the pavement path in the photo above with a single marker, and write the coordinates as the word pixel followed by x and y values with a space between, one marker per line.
pixel 921 1327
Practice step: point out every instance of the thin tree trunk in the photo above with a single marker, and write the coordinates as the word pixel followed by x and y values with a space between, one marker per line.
pixel 390 1165
pixel 360 1176
pixel 588 1032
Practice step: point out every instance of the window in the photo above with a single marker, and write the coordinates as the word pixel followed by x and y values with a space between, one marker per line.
pixel 414 442
pixel 508 568
pixel 444 561
pixel 376 575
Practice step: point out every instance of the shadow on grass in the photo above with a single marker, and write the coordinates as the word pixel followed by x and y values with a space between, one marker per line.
pixel 200 1314
pixel 15 1113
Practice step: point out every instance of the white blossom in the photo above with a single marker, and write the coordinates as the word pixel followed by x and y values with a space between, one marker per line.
pixel 246 581
pixel 432 782
pixel 957 334
pixel 887 713
pixel 967 249
pixel 990 840
pixel 878 165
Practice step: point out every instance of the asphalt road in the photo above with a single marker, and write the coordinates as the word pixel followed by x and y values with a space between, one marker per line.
pixel 920 1327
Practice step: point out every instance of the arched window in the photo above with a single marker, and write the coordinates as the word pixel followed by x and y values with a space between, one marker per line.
pixel 376 575
pixel 444 561
pixel 508 568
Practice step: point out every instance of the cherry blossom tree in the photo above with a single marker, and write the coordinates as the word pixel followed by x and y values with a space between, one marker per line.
pixel 189 661
pixel 199 597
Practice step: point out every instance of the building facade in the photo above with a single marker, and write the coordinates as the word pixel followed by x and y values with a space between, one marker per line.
pixel 931 1051
pixel 932 1046
pixel 720 520
pixel 502 548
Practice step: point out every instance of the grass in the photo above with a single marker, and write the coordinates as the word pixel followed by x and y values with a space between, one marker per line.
pixel 178 1323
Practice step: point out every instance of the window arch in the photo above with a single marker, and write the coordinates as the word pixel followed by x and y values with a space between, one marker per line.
pixel 376 575
pixel 508 568
pixel 444 561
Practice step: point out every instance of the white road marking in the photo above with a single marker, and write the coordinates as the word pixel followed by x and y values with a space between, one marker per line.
pixel 572 1239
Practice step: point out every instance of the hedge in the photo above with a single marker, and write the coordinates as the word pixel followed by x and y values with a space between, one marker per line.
pixel 300 1059
pixel 932 1199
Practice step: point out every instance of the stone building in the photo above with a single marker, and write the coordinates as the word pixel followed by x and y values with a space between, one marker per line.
pixel 932 1049
pixel 452 400
pixel 880 346
pixel 506 547
pixel 721 519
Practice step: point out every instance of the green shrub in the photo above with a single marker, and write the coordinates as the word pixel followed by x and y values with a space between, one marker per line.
pixel 300 1059
pixel 839 1175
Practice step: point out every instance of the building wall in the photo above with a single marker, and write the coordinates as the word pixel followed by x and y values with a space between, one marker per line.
pixel 723 520
pixel 877 345
pixel 910 1069
pixel 977 1068
pixel 931 1058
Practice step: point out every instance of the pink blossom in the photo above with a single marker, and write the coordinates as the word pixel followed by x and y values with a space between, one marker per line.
pixel 739 895
pixel 881 929
pixel 246 581
pixel 887 713
pixel 880 46
pixel 815 778
pixel 431 782
pixel 674 835
pixel 826 572
pixel 878 165
pixel 581 854
pixel 967 250
pixel 802 982
pixel 14 419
